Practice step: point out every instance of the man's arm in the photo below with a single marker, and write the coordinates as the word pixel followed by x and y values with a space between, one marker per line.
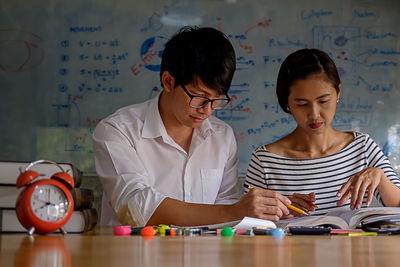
pixel 258 203
pixel 125 180
pixel 127 186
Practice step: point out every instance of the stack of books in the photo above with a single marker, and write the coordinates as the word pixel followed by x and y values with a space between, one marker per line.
pixel 84 218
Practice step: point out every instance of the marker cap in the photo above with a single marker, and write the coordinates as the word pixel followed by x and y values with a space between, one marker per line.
pixel 122 230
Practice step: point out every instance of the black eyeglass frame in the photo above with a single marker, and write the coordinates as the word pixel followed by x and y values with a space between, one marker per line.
pixel 206 100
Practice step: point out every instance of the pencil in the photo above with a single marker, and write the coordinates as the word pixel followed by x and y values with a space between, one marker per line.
pixel 289 206
pixel 296 209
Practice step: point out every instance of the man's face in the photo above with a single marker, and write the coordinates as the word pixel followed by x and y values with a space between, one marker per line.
pixel 184 113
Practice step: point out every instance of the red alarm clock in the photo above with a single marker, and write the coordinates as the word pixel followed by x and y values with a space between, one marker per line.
pixel 45 205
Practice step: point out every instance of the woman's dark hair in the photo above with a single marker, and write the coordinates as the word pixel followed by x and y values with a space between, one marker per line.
pixel 205 53
pixel 299 66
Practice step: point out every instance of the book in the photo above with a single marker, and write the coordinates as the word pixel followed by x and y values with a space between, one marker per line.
pixel 83 197
pixel 245 223
pixel 10 170
pixel 80 221
pixel 345 218
pixel 9 195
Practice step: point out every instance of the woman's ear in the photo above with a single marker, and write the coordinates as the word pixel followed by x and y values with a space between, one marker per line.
pixel 168 81
pixel 338 93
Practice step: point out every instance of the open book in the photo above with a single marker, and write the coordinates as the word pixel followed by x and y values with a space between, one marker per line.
pixel 245 223
pixel 346 218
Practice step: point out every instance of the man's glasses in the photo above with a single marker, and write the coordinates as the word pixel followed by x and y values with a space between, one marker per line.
pixel 201 101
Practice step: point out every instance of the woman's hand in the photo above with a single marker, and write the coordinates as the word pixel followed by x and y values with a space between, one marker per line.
pixel 366 180
pixel 304 202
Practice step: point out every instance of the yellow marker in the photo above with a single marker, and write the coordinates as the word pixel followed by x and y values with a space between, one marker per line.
pixel 161 229
pixel 360 234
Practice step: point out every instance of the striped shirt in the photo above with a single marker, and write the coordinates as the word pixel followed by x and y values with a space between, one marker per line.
pixel 324 176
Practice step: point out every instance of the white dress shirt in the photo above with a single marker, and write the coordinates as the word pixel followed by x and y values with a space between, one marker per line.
pixel 139 164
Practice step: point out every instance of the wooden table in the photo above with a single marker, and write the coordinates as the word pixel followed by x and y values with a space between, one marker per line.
pixel 101 248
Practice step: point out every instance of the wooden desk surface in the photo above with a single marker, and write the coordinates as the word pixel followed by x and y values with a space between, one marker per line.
pixel 101 248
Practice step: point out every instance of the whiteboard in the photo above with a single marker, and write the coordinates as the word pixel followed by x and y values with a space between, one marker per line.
pixel 65 65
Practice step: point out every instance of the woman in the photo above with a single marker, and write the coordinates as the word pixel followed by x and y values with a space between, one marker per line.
pixel 316 166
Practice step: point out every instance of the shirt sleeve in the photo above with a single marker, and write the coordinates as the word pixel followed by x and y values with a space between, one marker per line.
pixel 228 192
pixel 255 176
pixel 125 180
pixel 376 158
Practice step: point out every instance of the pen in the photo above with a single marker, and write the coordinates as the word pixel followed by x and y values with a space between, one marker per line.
pixel 289 206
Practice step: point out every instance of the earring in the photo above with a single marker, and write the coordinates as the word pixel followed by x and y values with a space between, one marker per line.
pixel 337 101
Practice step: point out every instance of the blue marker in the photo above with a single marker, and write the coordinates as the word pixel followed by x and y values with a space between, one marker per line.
pixel 277 233
pixel 260 231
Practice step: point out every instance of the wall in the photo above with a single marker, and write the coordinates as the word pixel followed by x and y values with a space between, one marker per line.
pixel 64 65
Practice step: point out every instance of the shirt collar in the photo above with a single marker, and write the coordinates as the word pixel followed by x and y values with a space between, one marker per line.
pixel 205 129
pixel 154 126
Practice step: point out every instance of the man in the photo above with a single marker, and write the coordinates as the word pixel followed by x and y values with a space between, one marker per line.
pixel 169 161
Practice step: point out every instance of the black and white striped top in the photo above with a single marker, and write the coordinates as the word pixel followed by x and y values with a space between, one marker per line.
pixel 324 176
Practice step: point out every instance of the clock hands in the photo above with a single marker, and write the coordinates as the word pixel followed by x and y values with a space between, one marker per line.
pixel 46 199
pixel 47 204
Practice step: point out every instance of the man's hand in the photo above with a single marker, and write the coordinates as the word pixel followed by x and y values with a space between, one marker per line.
pixel 263 204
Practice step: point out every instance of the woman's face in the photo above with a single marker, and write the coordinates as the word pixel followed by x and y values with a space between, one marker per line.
pixel 312 102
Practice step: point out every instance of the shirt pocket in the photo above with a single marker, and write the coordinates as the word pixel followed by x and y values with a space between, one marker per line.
pixel 211 182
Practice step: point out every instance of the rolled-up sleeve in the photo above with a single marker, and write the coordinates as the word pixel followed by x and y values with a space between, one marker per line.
pixel 126 183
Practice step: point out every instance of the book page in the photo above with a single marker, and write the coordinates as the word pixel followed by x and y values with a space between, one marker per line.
pixel 342 218
pixel 379 218
pixel 354 217
pixel 364 213
pixel 333 221
pixel 338 218
pixel 249 223
pixel 245 223
pixel 343 212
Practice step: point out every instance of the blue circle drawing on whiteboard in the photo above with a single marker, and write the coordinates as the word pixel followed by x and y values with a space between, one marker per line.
pixel 151 52
pixel 341 40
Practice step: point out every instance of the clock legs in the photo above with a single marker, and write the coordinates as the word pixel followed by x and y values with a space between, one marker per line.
pixel 63 231
pixel 31 230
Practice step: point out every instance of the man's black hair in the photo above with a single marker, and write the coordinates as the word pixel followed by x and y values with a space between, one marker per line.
pixel 204 53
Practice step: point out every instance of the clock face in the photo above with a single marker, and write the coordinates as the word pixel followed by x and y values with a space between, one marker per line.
pixel 49 203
